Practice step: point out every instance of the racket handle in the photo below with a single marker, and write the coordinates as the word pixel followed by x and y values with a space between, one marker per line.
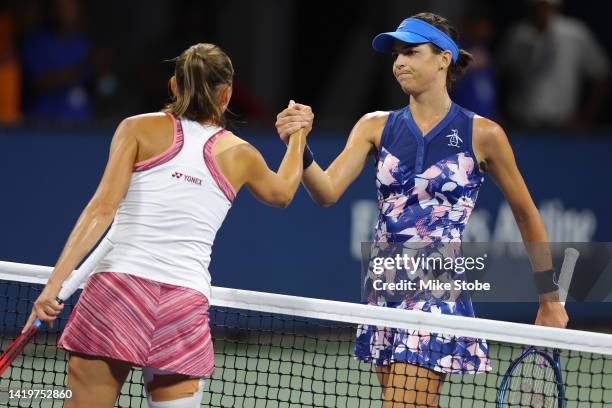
pixel 37 323
pixel 77 277
pixel 567 270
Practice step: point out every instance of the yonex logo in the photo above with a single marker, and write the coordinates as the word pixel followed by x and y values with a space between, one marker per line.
pixel 454 139
pixel 187 178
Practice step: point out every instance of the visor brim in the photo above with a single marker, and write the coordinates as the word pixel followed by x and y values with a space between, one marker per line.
pixel 384 42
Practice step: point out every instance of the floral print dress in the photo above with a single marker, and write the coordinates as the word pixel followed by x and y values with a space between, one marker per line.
pixel 427 188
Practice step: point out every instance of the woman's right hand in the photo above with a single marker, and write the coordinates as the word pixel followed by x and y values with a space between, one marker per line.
pixel 293 118
pixel 46 308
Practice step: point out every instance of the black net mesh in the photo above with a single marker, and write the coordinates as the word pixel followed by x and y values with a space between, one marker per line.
pixel 271 360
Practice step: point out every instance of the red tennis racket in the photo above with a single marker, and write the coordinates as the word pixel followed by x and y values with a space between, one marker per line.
pixel 68 288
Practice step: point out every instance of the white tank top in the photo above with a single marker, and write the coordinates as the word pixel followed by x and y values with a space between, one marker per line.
pixel 166 224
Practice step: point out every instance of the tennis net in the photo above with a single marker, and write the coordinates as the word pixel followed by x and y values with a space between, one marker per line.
pixel 284 351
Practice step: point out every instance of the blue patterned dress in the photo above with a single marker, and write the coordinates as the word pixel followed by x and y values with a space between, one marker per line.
pixel 427 188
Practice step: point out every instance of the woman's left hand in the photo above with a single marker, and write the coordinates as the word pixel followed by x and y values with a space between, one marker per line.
pixel 552 314
pixel 46 308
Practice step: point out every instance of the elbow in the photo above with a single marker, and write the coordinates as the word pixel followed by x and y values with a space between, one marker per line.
pixel 283 196
pixel 531 226
pixel 281 200
pixel 283 204
pixel 527 216
pixel 102 209
pixel 324 197
pixel 325 200
pixel 284 201
pixel 326 203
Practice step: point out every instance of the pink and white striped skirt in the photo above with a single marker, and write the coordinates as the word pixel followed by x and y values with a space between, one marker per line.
pixel 144 322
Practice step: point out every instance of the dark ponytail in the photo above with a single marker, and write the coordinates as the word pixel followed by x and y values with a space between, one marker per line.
pixel 199 71
pixel 457 68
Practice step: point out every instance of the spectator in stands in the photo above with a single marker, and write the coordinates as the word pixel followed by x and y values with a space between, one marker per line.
pixel 56 64
pixel 10 73
pixel 544 61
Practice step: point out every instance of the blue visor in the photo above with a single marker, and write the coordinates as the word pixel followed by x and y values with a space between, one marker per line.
pixel 415 31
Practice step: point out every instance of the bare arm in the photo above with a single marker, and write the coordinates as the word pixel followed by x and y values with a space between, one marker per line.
pixel 492 146
pixel 94 220
pixel 327 186
pixel 244 165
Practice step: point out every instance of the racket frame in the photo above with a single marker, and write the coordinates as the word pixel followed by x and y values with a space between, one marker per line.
pixel 565 277
pixel 553 361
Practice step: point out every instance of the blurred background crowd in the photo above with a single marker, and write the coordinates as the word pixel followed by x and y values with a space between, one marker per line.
pixel 537 64
pixel 70 70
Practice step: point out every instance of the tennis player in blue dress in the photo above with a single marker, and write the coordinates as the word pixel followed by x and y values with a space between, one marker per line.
pixel 431 157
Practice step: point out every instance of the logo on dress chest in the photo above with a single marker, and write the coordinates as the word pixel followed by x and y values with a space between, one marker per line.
pixel 454 139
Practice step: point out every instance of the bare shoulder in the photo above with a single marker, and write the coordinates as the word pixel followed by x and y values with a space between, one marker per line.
pixel 230 141
pixel 381 116
pixel 147 120
pixel 490 144
pixel 487 134
pixel 233 139
pixel 373 120
pixel 236 147
pixel 148 124
pixel 369 128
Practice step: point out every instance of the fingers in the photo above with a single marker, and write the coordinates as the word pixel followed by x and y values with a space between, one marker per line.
pixel 289 114
pixel 50 311
pixel 29 322
pixel 556 319
pixel 293 108
pixel 290 130
pixel 293 118
pixel 301 123
pixel 300 107
pixel 288 124
pixel 48 307
pixel 45 310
